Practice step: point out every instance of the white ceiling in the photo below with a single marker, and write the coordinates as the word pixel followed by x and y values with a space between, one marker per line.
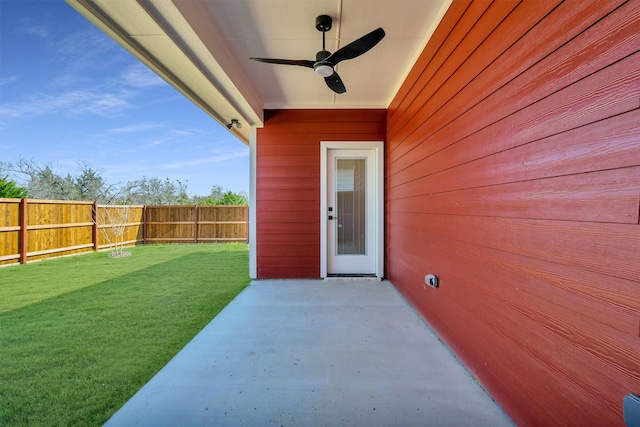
pixel 202 47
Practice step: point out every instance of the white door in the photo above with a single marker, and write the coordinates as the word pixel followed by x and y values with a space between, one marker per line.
pixel 352 212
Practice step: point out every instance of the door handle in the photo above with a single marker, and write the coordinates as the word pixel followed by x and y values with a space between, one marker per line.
pixel 332 217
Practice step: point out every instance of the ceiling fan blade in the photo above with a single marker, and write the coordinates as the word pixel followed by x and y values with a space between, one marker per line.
pixel 298 62
pixel 335 83
pixel 357 47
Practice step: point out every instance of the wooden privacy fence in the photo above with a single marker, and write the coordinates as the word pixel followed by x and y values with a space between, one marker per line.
pixel 195 224
pixel 37 229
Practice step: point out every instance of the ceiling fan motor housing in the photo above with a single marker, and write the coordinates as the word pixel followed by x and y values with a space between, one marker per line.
pixel 322 55
pixel 323 68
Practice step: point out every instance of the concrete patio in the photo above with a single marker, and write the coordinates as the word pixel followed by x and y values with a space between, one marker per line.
pixel 313 353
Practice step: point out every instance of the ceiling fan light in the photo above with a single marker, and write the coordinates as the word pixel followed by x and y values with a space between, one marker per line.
pixel 323 70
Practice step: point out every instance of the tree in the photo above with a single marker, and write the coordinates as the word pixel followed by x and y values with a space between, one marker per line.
pixel 153 191
pixel 10 190
pixel 112 222
pixel 218 196
pixel 211 199
pixel 91 186
pixel 42 182
pixel 231 198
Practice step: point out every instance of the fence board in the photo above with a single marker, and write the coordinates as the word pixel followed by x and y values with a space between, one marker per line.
pixel 58 228
pixel 9 231
pixel 223 223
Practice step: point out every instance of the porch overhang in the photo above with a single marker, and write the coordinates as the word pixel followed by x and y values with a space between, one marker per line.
pixel 201 48
pixel 159 36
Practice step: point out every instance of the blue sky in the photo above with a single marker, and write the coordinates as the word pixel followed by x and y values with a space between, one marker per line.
pixel 70 94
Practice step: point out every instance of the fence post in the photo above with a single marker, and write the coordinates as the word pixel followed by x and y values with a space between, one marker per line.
pixel 195 223
pixel 94 233
pixel 23 231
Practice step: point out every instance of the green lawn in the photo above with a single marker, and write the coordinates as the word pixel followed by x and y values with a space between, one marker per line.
pixel 80 335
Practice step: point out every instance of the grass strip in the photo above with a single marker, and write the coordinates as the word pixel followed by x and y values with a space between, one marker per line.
pixel 79 336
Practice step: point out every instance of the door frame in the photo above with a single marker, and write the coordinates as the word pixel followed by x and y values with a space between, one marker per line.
pixel 378 194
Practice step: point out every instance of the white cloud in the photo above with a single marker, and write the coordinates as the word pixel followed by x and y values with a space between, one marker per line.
pixel 69 103
pixel 87 48
pixel 67 80
pixel 179 133
pixel 217 158
pixel 36 30
pixel 8 80
pixel 140 127
pixel 140 76
pixel 177 136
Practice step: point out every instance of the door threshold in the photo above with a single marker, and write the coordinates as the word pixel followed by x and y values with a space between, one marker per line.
pixel 371 277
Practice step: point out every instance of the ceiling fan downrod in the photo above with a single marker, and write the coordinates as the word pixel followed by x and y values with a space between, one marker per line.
pixel 323 24
pixel 321 68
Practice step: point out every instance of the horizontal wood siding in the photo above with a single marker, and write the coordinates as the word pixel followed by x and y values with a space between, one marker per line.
pixel 513 173
pixel 288 183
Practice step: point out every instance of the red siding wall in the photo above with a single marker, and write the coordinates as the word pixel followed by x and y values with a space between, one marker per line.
pixel 513 173
pixel 288 183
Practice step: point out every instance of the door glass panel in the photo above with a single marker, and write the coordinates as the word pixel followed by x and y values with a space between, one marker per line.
pixel 350 197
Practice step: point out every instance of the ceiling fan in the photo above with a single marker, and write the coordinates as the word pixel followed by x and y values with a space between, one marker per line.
pixel 325 62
